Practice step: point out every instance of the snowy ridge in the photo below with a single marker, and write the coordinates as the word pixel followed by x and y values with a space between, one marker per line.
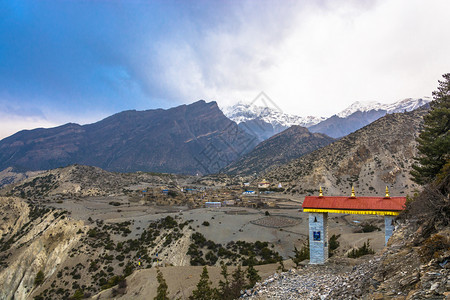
pixel 407 104
pixel 241 112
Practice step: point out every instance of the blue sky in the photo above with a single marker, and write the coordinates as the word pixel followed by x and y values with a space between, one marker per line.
pixel 80 61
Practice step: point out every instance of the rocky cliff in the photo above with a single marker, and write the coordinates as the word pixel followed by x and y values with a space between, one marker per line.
pixel 33 240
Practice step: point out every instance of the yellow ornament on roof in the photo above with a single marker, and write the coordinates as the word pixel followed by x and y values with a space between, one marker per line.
pixel 353 192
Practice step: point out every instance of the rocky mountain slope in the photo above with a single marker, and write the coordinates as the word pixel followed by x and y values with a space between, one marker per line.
pixel 360 114
pixel 195 138
pixel 279 149
pixel 263 121
pixel 33 240
pixel 83 181
pixel 11 175
pixel 415 264
pixel 377 155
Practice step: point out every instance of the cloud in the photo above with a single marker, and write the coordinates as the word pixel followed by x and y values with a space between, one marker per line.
pixel 313 59
pixel 14 118
pixel 79 61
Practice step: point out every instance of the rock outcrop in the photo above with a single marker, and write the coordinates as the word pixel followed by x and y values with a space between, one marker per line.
pixel 38 240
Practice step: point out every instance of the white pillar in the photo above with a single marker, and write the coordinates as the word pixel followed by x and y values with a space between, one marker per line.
pixel 318 238
pixel 388 228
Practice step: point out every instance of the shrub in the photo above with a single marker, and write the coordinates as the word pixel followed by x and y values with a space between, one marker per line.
pixel 162 291
pixel 79 294
pixel 39 279
pixel 333 244
pixel 363 250
pixel 301 255
pixel 205 223
pixel 366 227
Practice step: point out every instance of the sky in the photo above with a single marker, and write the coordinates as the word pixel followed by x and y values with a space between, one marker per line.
pixel 80 61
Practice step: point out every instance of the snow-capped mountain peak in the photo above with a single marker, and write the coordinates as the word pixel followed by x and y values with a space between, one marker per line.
pixel 242 112
pixel 407 104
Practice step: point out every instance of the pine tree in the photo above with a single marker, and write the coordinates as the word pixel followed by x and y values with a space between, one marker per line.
pixel 434 140
pixel 281 266
pixel 162 291
pixel 252 275
pixel 225 288
pixel 204 290
pixel 238 282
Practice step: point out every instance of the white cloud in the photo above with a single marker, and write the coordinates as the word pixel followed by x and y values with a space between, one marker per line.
pixel 10 124
pixel 314 59
pixel 14 118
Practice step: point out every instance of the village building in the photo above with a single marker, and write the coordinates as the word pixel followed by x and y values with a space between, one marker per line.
pixel 318 208
pixel 229 202
pixel 213 204
pixel 264 184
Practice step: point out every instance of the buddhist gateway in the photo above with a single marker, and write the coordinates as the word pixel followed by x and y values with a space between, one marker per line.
pixel 320 206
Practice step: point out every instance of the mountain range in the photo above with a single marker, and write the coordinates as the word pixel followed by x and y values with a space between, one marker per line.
pixel 264 122
pixel 191 139
pixel 360 114
pixel 195 138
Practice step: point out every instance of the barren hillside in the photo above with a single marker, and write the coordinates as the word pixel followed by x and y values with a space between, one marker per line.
pixel 371 158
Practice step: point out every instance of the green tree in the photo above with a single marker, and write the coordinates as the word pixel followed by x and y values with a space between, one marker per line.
pixel 224 286
pixel 252 275
pixel 238 282
pixel 281 266
pixel 333 244
pixel 204 290
pixel 39 279
pixel 434 139
pixel 162 291
pixel 302 254
pixel 361 251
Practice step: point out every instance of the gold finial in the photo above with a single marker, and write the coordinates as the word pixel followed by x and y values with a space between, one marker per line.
pixel 387 193
pixel 353 192
pixel 320 192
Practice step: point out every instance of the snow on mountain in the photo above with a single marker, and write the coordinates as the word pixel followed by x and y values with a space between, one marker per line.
pixel 242 112
pixel 408 104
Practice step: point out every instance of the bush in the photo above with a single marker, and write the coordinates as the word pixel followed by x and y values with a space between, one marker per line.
pixel 366 227
pixel 302 254
pixel 363 250
pixel 39 279
pixel 79 294
pixel 205 223
pixel 334 244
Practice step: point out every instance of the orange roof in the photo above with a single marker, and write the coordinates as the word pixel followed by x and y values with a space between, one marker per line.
pixel 357 203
